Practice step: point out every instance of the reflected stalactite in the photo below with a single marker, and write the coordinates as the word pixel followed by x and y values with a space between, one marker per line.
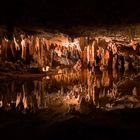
pixel 18 99
pixel 1 103
pixel 24 100
pixel 70 90
pixel 134 92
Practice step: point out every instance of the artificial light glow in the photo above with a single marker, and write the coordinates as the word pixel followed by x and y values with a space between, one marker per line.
pixel 45 69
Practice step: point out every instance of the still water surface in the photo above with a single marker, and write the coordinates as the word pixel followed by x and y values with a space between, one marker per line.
pixel 69 90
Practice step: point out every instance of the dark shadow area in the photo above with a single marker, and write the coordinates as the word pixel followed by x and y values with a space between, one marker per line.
pixel 49 14
pixel 112 125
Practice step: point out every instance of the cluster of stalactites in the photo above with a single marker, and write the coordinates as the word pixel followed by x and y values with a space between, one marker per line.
pixel 34 49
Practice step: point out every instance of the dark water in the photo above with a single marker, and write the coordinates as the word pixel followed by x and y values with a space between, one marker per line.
pixel 69 90
pixel 71 105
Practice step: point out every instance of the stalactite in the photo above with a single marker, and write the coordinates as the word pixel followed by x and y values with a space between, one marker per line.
pixel 88 54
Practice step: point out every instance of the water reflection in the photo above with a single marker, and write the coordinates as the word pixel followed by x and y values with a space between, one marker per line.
pixel 71 90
